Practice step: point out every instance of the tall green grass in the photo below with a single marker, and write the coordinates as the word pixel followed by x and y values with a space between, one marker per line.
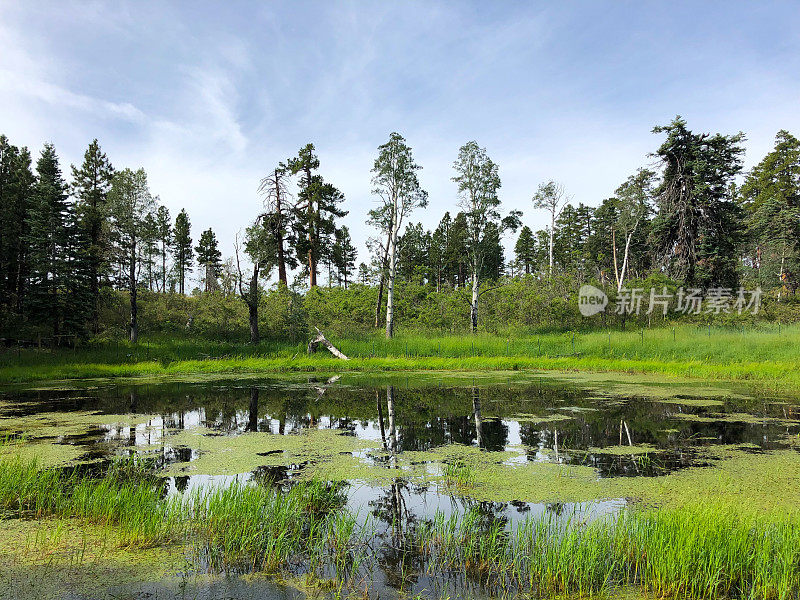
pixel 691 552
pixel 764 354
pixel 704 552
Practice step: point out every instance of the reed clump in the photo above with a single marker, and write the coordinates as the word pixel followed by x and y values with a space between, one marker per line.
pixel 699 552
pixel 693 552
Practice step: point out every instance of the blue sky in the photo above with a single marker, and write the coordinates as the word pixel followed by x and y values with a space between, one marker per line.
pixel 208 96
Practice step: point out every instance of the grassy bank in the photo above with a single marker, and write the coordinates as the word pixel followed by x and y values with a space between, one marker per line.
pixel 765 355
pixel 706 552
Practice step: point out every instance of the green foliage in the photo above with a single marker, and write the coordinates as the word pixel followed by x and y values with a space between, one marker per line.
pixel 91 184
pixel 16 183
pixel 709 551
pixel 771 195
pixel 209 257
pixel 525 250
pixel 315 213
pixel 698 229
pixel 182 248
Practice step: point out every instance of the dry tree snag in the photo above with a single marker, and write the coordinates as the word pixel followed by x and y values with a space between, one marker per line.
pixel 313 346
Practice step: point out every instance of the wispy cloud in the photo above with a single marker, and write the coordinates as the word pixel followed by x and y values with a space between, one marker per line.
pixel 207 97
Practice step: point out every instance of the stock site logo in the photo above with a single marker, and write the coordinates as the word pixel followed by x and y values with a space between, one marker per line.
pixel 591 300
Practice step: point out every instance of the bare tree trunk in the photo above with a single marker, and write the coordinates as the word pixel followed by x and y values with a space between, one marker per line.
pixel 132 283
pixel 252 306
pixel 392 429
pixel 381 282
pixel 614 254
pixel 476 409
pixel 163 267
pixel 312 261
pixel 552 238
pixel 252 415
pixel 474 304
pixel 252 309
pixel 279 232
pixel 624 262
pixel 391 275
pixel 380 420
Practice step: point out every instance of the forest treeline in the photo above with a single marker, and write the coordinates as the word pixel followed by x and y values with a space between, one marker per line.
pixel 96 253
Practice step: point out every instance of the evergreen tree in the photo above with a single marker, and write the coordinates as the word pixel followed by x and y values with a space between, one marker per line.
pixel 149 248
pixel 568 241
pixel 164 229
pixel 277 217
pixel 77 289
pixel 90 186
pixel 601 243
pixel 130 202
pixel 525 249
pixel 315 212
pixel 437 251
pixel 698 229
pixel 47 239
pixel 210 258
pixel 259 245
pixel 457 252
pixel 413 252
pixel 771 196
pixel 182 248
pixel 344 255
pixel 16 190
pixel 493 260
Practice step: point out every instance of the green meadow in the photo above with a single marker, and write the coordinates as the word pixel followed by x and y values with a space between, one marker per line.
pixel 766 355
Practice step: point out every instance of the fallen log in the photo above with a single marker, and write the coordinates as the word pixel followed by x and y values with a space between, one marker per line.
pixel 313 346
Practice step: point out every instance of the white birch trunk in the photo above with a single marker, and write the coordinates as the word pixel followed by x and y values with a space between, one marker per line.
pixel 391 275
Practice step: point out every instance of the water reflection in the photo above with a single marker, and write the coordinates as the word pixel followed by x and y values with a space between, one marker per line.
pixel 532 422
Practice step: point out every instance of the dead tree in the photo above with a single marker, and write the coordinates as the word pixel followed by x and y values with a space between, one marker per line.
pixel 320 338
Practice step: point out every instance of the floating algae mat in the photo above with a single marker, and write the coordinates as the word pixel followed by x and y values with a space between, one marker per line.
pixel 404 451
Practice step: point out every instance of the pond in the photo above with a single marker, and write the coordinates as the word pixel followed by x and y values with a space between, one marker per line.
pixel 403 449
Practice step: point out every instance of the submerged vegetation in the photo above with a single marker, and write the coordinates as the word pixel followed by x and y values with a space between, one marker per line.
pixel 694 552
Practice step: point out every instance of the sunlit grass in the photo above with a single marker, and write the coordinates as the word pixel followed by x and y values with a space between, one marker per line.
pixel 707 551
pixel 764 354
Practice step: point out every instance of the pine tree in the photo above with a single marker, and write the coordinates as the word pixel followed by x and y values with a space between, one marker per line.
pixel 16 189
pixel 47 238
pixel 315 212
pixel 771 196
pixel 130 202
pixel 413 251
pixel 344 255
pixel 210 258
pixel 77 290
pixel 277 217
pixel 437 251
pixel 90 186
pixel 164 227
pixel 149 248
pixel 525 248
pixel 182 248
pixel 698 230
